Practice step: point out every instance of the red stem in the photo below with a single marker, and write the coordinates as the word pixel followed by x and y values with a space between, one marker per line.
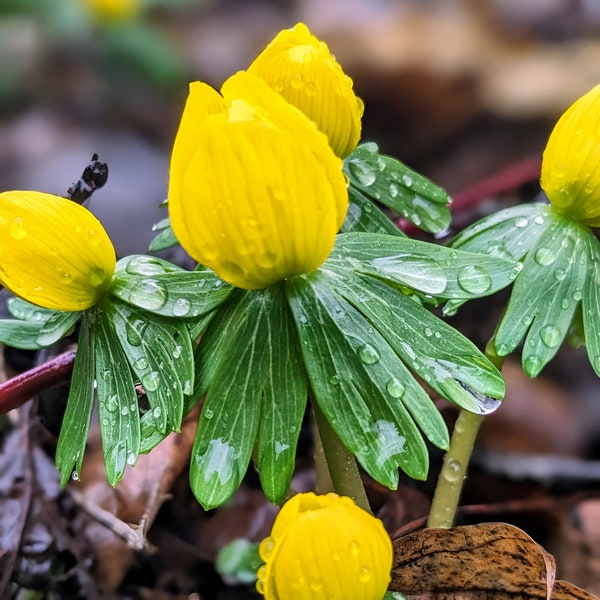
pixel 19 389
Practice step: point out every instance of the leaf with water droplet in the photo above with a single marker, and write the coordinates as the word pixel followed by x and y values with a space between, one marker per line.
pixel 163 288
pixel 372 401
pixel 395 185
pixel 542 304
pixel 74 429
pixel 121 438
pixel 363 215
pixel 165 238
pixel 450 363
pixel 160 353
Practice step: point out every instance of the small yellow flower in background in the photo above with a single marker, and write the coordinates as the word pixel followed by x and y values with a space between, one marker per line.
pixel 255 191
pixel 113 10
pixel 324 547
pixel 571 163
pixel 300 67
pixel 53 252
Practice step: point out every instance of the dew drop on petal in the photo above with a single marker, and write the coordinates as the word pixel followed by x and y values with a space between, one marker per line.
pixel 112 404
pixel 151 381
pixel 363 173
pixel 16 228
pixel 521 222
pixel 141 364
pixel 395 388
pixel 150 294
pixel 544 257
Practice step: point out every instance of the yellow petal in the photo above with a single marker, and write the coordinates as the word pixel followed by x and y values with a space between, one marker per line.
pixel 301 68
pixel 570 173
pixel 54 252
pixel 325 547
pixel 262 197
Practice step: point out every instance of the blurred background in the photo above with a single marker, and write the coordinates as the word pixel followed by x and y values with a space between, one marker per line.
pixel 458 89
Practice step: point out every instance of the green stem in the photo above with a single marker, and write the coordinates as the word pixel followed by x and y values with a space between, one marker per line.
pixel 454 469
pixel 341 464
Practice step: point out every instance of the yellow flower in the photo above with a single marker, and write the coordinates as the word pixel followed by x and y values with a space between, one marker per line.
pixel 571 163
pixel 113 10
pixel 55 253
pixel 324 547
pixel 255 191
pixel 300 67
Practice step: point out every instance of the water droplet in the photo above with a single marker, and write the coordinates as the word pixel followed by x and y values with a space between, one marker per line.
pixel 266 548
pixel 521 222
pixel 532 365
pixel 134 330
pixel 577 296
pixel 354 548
pixel 141 364
pixel 407 180
pixel 527 320
pixel 364 574
pixel 474 279
pixel 334 380
pixel 316 584
pixel 565 304
pixel 539 220
pixel 297 81
pixel 363 173
pixel 393 190
pixel 157 412
pixel 188 388
pixel 428 331
pixel 453 470
pixel 559 274
pixel 487 405
pixel 131 458
pixel 368 355
pixel 112 404
pixel 395 388
pixel 124 410
pixel 544 257
pixel 151 381
pixel 150 294
pixel 144 265
pixel 16 228
pixel 75 476
pixel 177 351
pixel 208 414
pixel 181 307
pixel 550 336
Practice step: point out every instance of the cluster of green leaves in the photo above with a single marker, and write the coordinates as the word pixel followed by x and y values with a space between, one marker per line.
pixel 356 336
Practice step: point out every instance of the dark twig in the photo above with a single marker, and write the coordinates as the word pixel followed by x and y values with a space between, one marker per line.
pixel 19 389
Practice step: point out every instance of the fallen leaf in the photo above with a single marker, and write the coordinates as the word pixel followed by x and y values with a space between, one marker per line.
pixel 491 560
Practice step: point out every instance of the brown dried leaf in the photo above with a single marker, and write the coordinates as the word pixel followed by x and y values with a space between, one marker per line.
pixel 491 560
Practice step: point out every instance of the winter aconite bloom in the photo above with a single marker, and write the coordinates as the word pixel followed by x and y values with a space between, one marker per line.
pixel 113 10
pixel 570 173
pixel 255 191
pixel 324 547
pixel 55 253
pixel 300 67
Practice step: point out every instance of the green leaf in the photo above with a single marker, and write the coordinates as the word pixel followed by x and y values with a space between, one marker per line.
pixel 433 270
pixel 508 234
pixel 284 400
pixel 233 350
pixel 441 356
pixel 117 400
pixel 20 334
pixel 357 380
pixel 165 238
pixel 76 420
pixel 159 351
pixel 546 294
pixel 162 288
pixel 35 327
pixel 56 327
pixel 591 304
pixel 365 216
pixel 386 180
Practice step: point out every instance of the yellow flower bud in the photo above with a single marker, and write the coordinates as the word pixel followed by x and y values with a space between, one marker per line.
pixel 571 163
pixel 255 191
pixel 324 547
pixel 54 252
pixel 300 67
